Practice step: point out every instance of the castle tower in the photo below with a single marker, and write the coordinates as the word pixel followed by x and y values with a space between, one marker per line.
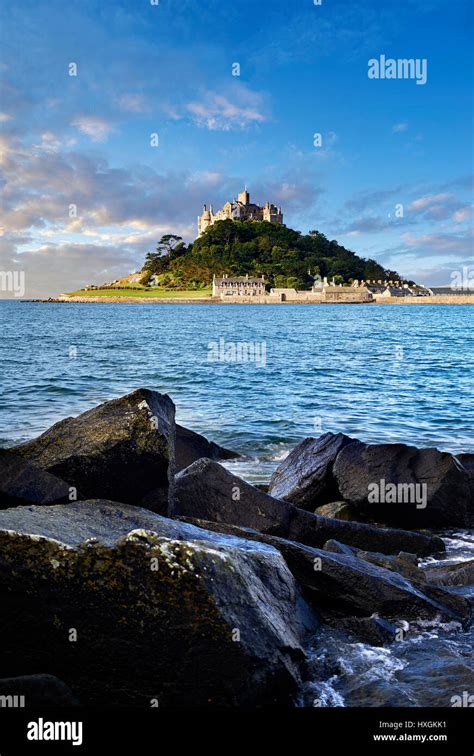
pixel 243 197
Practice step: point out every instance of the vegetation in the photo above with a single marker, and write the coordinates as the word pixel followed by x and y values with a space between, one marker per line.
pixel 285 257
pixel 148 293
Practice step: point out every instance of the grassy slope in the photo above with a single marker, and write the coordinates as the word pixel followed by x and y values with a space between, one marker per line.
pixel 145 293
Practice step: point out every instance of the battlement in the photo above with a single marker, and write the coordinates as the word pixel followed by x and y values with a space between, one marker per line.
pixel 240 209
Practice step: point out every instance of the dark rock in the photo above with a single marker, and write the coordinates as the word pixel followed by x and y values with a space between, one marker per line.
pixel 346 583
pixel 35 691
pixel 402 485
pixel 461 573
pixel 337 510
pixel 121 450
pixel 467 461
pixel 305 478
pixel 191 446
pixel 374 630
pixel 209 491
pixel 315 531
pixel 163 610
pixel 405 564
pixel 21 482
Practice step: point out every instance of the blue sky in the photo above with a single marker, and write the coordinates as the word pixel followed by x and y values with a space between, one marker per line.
pixel 167 69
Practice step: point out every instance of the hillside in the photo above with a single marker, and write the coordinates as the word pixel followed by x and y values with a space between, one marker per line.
pixel 284 256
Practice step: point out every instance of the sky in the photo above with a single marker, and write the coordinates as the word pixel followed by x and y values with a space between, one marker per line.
pixel 120 118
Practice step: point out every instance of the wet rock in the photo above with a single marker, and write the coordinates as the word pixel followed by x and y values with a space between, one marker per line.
pixel 191 446
pixel 35 691
pixel 121 450
pixel 402 485
pixel 346 583
pixel 208 491
pixel 461 573
pixel 162 610
pixel 315 531
pixel 21 482
pixel 338 510
pixel 403 563
pixel 305 478
pixel 373 630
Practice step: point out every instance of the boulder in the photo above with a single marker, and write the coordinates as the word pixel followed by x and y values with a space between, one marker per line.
pixel 208 491
pixel 404 563
pixel 403 485
pixel 346 583
pixel 315 531
pixel 461 573
pixel 373 630
pixel 121 450
pixel 337 510
pixel 21 482
pixel 159 610
pixel 35 691
pixel 305 478
pixel 191 446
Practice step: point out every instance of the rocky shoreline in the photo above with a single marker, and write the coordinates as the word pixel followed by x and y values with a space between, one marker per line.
pixel 136 570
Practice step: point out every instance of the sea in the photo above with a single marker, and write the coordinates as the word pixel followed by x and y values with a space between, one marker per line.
pixel 258 379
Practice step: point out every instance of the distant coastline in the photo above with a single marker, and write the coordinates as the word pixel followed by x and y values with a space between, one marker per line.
pixel 443 299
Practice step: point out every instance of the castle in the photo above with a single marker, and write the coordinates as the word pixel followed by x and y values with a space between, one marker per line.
pixel 240 209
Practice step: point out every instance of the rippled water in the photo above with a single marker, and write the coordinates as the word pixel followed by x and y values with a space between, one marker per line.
pixel 381 373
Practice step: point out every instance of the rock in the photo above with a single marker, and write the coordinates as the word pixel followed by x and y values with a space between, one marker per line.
pixel 373 630
pixel 354 586
pixel 461 573
pixel 209 491
pixel 162 609
pixel 35 691
pixel 121 450
pixel 305 478
pixel 405 564
pixel 402 485
pixel 467 461
pixel 191 446
pixel 315 531
pixel 21 482
pixel 337 510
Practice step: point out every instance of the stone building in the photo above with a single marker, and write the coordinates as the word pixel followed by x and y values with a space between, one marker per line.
pixel 346 294
pixel 241 286
pixel 240 209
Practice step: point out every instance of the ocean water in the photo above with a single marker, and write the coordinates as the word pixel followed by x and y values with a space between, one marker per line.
pixel 380 373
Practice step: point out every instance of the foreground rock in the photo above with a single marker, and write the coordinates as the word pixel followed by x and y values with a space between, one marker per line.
pixel 35 690
pixel 162 610
pixel 207 491
pixel 305 478
pixel 344 582
pixel 121 450
pixel 461 573
pixel 191 446
pixel 402 485
pixel 21 482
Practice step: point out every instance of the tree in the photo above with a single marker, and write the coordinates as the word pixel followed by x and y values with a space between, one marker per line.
pixel 168 243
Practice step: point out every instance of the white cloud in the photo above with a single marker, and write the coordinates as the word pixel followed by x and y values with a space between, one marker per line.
pixel 217 112
pixel 397 128
pixel 98 129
